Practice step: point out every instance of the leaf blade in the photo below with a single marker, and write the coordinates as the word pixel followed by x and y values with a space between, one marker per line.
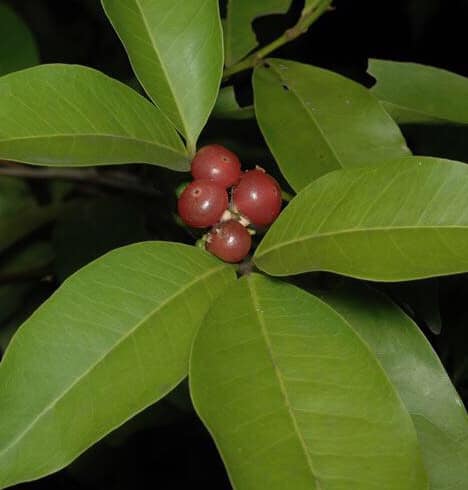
pixel 316 121
pixel 175 48
pixel 370 231
pixel 70 115
pixel 265 383
pixel 414 93
pixel 227 107
pixel 112 350
pixel 18 48
pixel 419 377
pixel 239 37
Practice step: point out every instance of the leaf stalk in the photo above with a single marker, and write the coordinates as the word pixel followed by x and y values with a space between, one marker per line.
pixel 308 16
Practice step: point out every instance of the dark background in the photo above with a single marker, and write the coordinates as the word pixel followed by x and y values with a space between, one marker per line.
pixel 425 31
pixel 166 447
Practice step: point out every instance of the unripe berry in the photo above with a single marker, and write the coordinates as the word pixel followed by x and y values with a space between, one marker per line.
pixel 258 197
pixel 229 241
pixel 202 203
pixel 216 163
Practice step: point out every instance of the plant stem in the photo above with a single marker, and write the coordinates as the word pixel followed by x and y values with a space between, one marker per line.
pixel 191 148
pixel 115 179
pixel 246 267
pixel 286 196
pixel 25 276
pixel 307 18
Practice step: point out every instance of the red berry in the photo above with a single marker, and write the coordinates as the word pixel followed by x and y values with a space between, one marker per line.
pixel 229 241
pixel 202 203
pixel 216 163
pixel 258 197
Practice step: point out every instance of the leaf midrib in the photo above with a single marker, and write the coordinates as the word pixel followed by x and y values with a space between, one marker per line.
pixel 434 118
pixel 367 346
pixel 284 392
pixel 228 32
pixel 309 112
pixel 62 395
pixel 180 113
pixel 93 135
pixel 357 230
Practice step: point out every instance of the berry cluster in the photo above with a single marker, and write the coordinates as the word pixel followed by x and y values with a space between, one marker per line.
pixel 229 200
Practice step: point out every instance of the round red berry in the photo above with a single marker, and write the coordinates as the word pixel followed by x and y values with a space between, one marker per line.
pixel 229 241
pixel 258 197
pixel 216 163
pixel 202 203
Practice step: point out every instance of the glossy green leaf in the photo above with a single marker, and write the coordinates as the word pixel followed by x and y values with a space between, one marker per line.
pixel 315 121
pixel 239 37
pixel 18 48
pixel 176 50
pixel 20 214
pixel 419 377
pixel 404 220
pixel 227 107
pixel 31 295
pixel 67 115
pixel 114 339
pixel 414 93
pixel 291 394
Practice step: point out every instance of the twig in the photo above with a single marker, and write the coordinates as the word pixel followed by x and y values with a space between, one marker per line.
pixel 246 267
pixel 307 18
pixel 114 179
pixel 286 196
pixel 24 276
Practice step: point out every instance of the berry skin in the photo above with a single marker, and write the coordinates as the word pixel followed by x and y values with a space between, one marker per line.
pixel 216 163
pixel 202 203
pixel 229 241
pixel 258 197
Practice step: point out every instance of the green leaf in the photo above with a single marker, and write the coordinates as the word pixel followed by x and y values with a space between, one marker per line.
pixel 227 107
pixel 176 50
pixel 19 212
pixel 291 394
pixel 315 121
pixel 414 93
pixel 419 377
pixel 239 37
pixel 114 339
pixel 62 115
pixel 30 296
pixel 18 48
pixel 401 221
